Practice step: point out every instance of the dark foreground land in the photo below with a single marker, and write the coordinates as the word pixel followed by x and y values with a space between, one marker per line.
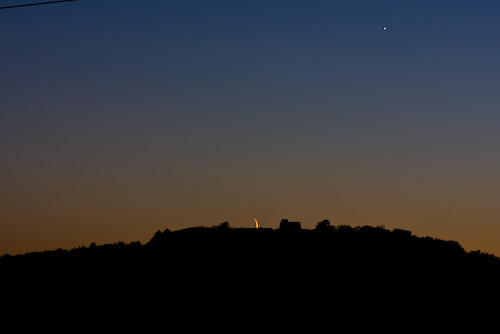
pixel 257 271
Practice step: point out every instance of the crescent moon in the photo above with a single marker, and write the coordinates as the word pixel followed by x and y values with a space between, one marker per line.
pixel 256 223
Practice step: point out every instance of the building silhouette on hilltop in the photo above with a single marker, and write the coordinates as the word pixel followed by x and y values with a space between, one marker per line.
pixel 288 226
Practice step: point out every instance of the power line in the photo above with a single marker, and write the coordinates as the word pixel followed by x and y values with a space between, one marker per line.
pixel 35 4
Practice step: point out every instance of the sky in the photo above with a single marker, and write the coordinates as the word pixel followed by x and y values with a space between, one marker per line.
pixel 119 118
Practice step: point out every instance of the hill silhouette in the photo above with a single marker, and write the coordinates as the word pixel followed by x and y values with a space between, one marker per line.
pixel 363 245
pixel 288 269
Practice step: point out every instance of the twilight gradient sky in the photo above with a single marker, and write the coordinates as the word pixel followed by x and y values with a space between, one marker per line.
pixel 122 117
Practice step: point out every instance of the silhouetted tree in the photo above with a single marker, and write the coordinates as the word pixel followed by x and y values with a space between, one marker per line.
pixel 401 232
pixel 159 236
pixel 156 236
pixel 323 225
pixel 224 226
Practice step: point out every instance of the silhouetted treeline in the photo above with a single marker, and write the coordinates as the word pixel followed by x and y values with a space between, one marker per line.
pixel 326 245
pixel 286 268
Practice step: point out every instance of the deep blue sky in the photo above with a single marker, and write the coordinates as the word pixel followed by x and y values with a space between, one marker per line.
pixel 118 118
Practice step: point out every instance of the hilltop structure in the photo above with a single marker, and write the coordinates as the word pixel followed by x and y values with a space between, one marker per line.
pixel 288 226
